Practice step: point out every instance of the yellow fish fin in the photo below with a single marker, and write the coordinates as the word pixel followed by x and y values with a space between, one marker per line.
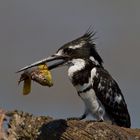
pixel 27 86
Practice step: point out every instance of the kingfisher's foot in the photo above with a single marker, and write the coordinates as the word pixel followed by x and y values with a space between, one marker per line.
pixel 100 120
pixel 78 118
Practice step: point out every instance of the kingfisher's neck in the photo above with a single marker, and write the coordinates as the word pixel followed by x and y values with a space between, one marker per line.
pixel 76 65
pixel 80 64
pixel 80 68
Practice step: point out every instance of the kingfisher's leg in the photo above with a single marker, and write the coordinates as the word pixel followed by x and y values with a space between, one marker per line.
pixel 81 117
pixel 101 113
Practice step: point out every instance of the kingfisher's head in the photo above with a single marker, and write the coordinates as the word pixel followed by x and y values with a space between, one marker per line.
pixel 80 48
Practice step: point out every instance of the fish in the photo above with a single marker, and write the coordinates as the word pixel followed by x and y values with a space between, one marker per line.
pixel 40 74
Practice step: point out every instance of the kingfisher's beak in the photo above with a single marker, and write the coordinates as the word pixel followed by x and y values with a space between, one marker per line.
pixel 62 59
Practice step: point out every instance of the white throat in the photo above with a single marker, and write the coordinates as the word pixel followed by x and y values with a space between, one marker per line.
pixel 75 65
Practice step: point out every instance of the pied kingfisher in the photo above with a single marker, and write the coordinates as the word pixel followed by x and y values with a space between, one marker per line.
pixel 100 93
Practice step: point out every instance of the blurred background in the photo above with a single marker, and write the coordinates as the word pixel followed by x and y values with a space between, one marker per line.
pixel 32 30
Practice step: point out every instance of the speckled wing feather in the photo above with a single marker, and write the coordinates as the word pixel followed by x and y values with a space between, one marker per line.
pixel 110 95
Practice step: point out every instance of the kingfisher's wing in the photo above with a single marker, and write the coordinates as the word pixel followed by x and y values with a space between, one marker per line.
pixel 110 95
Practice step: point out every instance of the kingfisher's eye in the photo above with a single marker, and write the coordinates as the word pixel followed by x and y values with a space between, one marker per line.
pixel 68 50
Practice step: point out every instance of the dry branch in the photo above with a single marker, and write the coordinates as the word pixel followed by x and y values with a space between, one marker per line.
pixel 24 126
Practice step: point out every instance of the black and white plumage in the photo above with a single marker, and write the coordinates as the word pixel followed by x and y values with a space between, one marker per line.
pixel 100 93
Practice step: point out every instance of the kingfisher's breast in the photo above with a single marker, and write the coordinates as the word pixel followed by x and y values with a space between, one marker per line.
pixel 90 100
